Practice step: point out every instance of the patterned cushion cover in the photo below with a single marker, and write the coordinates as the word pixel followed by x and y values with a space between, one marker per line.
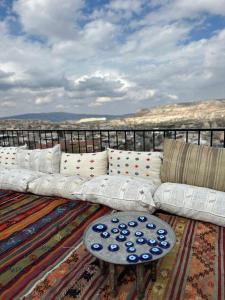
pixel 133 163
pixel 85 164
pixel 56 185
pixel 119 192
pixel 193 164
pixel 8 156
pixel 192 202
pixel 17 179
pixel 43 160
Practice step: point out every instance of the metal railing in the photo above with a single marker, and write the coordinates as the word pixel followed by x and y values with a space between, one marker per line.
pixel 97 140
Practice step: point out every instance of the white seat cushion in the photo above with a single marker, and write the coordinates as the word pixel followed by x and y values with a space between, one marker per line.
pixel 56 185
pixel 17 179
pixel 119 192
pixel 192 202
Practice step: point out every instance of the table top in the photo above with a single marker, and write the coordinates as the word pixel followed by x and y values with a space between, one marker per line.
pixel 129 238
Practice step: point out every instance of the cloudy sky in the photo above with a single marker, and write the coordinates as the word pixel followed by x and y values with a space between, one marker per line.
pixel 114 57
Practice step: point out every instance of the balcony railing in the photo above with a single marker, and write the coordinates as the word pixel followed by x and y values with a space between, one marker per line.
pixel 97 140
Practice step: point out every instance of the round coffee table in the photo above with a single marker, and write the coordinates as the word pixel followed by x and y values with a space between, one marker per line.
pixel 129 238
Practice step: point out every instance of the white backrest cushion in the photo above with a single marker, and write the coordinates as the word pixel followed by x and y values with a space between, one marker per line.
pixel 134 163
pixel 86 165
pixel 119 192
pixel 194 202
pixel 8 156
pixel 42 160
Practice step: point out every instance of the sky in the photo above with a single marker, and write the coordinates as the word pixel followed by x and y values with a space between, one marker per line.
pixel 109 57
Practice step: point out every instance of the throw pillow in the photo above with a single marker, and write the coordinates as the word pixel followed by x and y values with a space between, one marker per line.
pixel 193 164
pixel 86 165
pixel 8 156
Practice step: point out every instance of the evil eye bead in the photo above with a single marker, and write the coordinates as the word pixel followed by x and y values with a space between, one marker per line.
pixel 152 243
pixel 139 233
pixel 164 244
pixel 156 251
pixel 141 241
pixel 99 228
pixel 122 226
pixel 150 226
pixel 142 219
pixel 161 237
pixel 121 238
pixel 115 230
pixel 132 224
pixel 162 231
pixel 96 247
pixel 113 247
pixel 145 257
pixel 125 232
pixel 129 244
pixel 131 250
pixel 105 235
pixel 133 258
pixel 115 220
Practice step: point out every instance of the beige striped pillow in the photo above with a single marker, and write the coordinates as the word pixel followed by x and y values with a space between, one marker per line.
pixel 193 164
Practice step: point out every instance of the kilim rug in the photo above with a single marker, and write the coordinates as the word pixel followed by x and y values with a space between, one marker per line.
pixel 193 270
pixel 37 234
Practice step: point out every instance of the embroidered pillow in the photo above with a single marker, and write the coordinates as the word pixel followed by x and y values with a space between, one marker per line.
pixel 86 165
pixel 133 163
pixel 8 156
pixel 42 160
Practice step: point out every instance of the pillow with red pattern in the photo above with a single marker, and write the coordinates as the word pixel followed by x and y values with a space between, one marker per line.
pixel 87 165
pixel 134 163
pixel 8 156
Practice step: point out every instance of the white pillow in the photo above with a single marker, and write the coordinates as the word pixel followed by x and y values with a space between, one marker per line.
pixel 56 185
pixel 85 164
pixel 194 202
pixel 43 160
pixel 133 163
pixel 8 156
pixel 17 179
pixel 119 192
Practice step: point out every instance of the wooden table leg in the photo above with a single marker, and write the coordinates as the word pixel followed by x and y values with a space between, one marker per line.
pixel 113 279
pixel 140 281
pixel 153 270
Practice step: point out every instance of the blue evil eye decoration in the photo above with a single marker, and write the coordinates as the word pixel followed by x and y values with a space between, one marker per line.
pixel 105 235
pixel 156 251
pixel 122 226
pixel 133 258
pixel 141 241
pixel 132 224
pixel 142 219
pixel 162 231
pixel 129 244
pixel 164 244
pixel 145 257
pixel 113 247
pixel 150 226
pixel 139 233
pixel 125 232
pixel 96 247
pixel 99 228
pixel 115 220
pixel 161 237
pixel 152 243
pixel 121 238
pixel 131 249
pixel 115 230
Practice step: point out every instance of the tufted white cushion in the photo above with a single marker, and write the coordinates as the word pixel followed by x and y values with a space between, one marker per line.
pixel 17 179
pixel 192 202
pixel 8 156
pixel 133 163
pixel 85 164
pixel 119 192
pixel 56 185
pixel 42 160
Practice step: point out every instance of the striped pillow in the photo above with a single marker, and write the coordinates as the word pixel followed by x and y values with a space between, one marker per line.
pixel 193 164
